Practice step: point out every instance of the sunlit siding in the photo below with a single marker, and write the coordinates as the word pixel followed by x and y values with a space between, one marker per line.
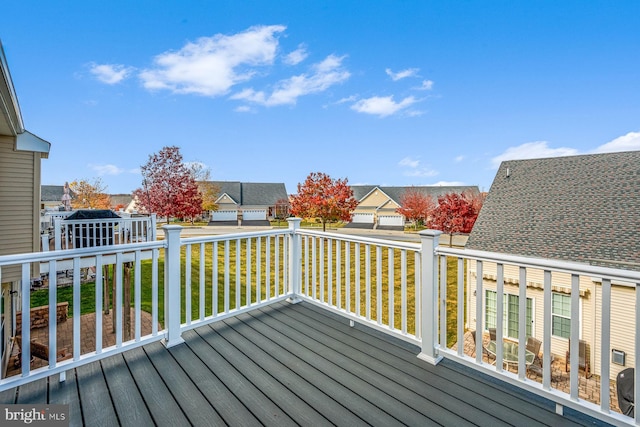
pixel 17 212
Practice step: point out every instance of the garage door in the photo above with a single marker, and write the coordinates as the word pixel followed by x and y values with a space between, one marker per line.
pixel 392 220
pixel 224 216
pixel 362 218
pixel 254 215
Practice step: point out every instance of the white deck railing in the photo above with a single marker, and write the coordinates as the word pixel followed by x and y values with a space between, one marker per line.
pixel 399 288
pixel 82 233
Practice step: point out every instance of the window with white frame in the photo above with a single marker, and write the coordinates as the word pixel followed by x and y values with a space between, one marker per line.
pixel 560 315
pixel 511 308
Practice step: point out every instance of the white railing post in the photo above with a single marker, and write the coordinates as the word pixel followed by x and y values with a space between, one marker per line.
pixel 152 228
pixel 172 286
pixel 295 259
pixel 429 296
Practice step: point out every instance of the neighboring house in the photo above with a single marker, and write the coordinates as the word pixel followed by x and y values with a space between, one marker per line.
pixel 377 204
pixel 20 155
pixel 51 197
pixel 249 201
pixel 580 208
pixel 123 201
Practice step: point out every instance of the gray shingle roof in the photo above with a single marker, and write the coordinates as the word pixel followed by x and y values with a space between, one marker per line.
pixel 252 193
pixel 395 193
pixel 579 208
pixel 53 193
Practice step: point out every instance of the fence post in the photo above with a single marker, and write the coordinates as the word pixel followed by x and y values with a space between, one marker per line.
pixel 295 256
pixel 429 299
pixel 172 305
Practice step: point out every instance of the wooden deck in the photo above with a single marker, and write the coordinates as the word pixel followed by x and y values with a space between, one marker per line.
pixel 286 365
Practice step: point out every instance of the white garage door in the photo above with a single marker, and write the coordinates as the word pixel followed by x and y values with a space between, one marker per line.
pixel 224 216
pixel 394 220
pixel 254 215
pixel 362 218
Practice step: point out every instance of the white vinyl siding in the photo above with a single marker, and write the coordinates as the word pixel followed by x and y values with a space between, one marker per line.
pixel 18 219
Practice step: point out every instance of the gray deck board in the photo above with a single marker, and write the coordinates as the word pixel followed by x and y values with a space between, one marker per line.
pixel 385 408
pixel 66 392
pixel 203 343
pixel 95 400
pixel 284 365
pixel 280 394
pixel 249 342
pixel 214 390
pixel 189 398
pixel 164 410
pixel 499 404
pixel 124 393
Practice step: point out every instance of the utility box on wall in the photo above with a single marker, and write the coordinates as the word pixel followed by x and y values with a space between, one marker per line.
pixel 618 357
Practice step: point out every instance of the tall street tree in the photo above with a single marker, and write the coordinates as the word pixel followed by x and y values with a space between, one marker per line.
pixel 89 195
pixel 416 207
pixel 168 186
pixel 455 214
pixel 325 198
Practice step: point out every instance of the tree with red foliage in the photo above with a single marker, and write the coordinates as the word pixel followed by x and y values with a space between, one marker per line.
pixel 169 188
pixel 416 206
pixel 455 214
pixel 322 197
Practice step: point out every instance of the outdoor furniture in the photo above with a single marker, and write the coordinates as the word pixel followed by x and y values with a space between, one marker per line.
pixel 41 351
pixel 484 349
pixel 510 353
pixel 624 387
pixel 492 334
pixel 533 345
pixel 583 358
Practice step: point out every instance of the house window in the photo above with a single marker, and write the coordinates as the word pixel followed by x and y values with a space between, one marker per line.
pixel 510 311
pixel 561 315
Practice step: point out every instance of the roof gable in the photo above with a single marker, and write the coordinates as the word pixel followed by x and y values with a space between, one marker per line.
pixel 579 208
pixel 252 193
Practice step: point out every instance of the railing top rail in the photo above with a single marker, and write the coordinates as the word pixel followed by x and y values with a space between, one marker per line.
pixel 233 236
pixel 570 267
pixel 100 220
pixel 359 239
pixel 82 252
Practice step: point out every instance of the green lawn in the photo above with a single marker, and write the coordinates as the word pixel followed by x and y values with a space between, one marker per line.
pixel 87 292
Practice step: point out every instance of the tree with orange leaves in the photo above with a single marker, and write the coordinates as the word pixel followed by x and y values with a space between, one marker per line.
pixel 321 196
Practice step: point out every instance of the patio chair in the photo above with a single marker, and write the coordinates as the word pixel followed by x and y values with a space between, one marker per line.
pixel 533 345
pixel 583 358
pixel 624 387
pixel 492 334
pixel 484 349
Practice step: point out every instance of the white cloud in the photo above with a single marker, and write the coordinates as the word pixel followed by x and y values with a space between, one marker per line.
pixel 532 150
pixel 409 162
pixel 382 106
pixel 628 142
pixel 426 85
pixel 448 183
pixel 106 169
pixel 412 168
pixel 297 56
pixel 110 73
pixel 409 72
pixel 210 66
pixel 458 159
pixel 322 76
pixel 243 109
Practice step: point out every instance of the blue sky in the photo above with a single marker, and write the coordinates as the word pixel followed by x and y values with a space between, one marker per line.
pixel 379 92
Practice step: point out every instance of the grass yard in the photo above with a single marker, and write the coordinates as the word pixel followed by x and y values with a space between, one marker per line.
pixel 384 267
